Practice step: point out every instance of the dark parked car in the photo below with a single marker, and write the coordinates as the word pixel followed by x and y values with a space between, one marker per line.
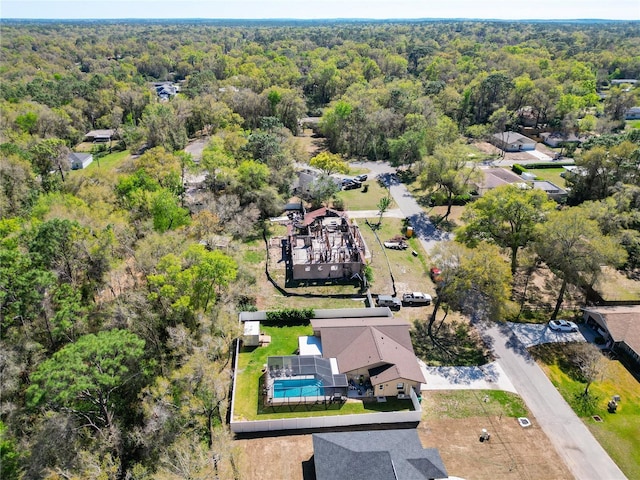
pixel 361 178
pixel 353 184
pixel 396 245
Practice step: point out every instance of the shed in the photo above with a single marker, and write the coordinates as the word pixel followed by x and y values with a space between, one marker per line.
pixel 251 337
pixel 80 160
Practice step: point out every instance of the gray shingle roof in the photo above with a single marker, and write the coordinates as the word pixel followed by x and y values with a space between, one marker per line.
pixel 79 156
pixel 375 454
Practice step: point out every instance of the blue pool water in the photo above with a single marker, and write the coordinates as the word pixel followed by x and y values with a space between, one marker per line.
pixel 308 387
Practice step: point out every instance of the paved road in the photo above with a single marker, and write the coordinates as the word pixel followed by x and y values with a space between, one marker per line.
pixel 574 442
pixel 572 439
pixel 423 229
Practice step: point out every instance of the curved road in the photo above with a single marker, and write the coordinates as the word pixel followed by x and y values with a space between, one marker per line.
pixel 584 456
pixel 423 229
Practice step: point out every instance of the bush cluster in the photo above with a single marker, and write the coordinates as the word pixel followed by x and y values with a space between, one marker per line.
pixel 287 317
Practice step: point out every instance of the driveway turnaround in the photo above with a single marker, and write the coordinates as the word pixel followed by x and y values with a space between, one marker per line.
pixel 487 377
pixel 531 334
pixel 572 439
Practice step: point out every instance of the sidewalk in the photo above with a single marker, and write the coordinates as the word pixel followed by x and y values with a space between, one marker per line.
pixel 373 214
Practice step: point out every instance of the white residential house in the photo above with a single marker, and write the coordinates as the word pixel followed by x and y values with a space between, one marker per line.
pixel 632 114
pixel 513 142
pixel 557 139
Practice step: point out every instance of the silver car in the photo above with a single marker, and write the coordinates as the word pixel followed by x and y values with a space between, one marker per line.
pixel 563 326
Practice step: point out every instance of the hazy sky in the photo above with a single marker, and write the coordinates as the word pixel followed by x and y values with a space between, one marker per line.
pixel 309 9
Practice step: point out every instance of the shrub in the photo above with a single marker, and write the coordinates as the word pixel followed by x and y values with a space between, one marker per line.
pixel 585 405
pixel 368 273
pixel 286 317
pixel 533 166
pixel 338 203
pixel 519 169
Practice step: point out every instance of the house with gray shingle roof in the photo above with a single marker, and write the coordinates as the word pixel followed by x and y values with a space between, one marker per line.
pixel 375 454
pixel 632 114
pixel 513 142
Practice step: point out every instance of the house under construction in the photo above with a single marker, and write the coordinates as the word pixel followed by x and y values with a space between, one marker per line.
pixel 325 245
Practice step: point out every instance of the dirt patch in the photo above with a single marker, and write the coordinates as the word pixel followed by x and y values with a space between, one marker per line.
pixel 195 148
pixel 512 452
pixel 614 285
pixel 313 144
pixel 541 293
pixel 275 457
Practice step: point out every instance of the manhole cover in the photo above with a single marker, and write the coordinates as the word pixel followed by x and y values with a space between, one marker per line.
pixel 524 422
pixel 597 418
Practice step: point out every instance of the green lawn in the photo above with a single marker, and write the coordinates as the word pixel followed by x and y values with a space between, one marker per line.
pixel 109 162
pixel 358 199
pixel 472 403
pixel 284 341
pixel 407 269
pixel 550 174
pixel 619 433
pixel 614 285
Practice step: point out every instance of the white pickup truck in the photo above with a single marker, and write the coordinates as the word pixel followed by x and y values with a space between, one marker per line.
pixel 416 298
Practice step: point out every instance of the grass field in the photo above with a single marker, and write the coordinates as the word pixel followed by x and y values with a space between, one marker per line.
pixel 410 272
pixel 284 341
pixel 550 174
pixel 613 285
pixel 358 199
pixel 108 162
pixel 472 403
pixel 618 433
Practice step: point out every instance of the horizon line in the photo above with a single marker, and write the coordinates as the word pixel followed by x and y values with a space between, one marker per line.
pixel 290 19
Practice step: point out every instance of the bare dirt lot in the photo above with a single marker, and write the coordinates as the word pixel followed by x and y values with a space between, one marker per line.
pixel 512 453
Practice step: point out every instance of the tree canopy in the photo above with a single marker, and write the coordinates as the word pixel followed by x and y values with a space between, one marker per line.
pixel 506 215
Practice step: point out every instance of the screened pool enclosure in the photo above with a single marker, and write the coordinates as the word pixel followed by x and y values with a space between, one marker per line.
pixel 303 379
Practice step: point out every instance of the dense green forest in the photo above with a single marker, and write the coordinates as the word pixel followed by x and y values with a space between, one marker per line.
pixel 117 320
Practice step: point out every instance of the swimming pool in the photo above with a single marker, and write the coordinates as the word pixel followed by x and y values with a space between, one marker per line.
pixel 305 387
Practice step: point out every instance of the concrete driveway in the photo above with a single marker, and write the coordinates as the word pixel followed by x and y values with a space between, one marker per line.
pixel 487 377
pixel 531 334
